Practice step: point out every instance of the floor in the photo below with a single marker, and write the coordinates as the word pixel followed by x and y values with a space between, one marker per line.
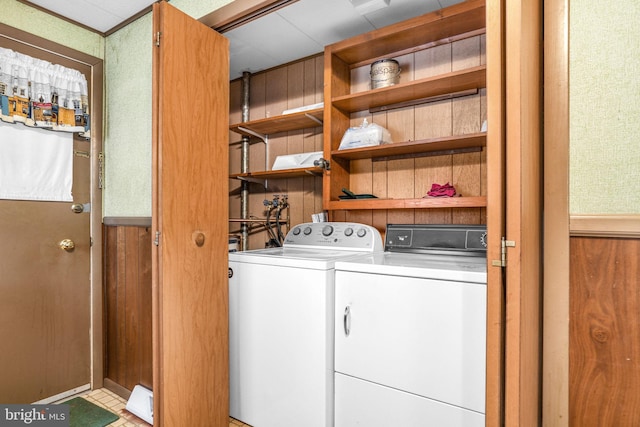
pixel 116 404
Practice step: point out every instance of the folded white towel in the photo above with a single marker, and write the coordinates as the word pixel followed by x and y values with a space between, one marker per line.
pixel 35 164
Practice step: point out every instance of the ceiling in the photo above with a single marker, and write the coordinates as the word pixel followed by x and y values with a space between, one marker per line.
pixel 296 31
pixel 305 27
pixel 100 15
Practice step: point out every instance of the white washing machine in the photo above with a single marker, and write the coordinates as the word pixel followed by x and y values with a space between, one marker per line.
pixel 410 339
pixel 281 329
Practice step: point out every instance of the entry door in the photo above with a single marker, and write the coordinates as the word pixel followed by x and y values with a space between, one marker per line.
pixel 189 219
pixel 45 294
pixel 45 291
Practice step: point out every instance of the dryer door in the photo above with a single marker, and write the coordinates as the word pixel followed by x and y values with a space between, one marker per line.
pixel 421 336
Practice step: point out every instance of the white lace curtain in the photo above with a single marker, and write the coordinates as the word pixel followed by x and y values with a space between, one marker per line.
pixel 41 94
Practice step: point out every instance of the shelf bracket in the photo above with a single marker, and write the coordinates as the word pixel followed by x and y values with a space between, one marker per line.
pixel 312 173
pixel 262 182
pixel 315 119
pixel 253 133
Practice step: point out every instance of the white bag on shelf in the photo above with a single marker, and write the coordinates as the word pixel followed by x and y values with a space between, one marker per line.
pixel 365 135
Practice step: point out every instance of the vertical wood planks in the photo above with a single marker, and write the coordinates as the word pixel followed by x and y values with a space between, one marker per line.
pixel 292 85
pixel 604 301
pixel 127 289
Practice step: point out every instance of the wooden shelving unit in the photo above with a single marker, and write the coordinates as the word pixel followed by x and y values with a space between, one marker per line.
pixel 458 81
pixel 262 128
pixel 434 146
pixel 422 203
pixel 277 174
pixel 455 23
pixel 283 123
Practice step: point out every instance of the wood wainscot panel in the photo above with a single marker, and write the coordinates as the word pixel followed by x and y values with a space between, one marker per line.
pixel 127 304
pixel 604 333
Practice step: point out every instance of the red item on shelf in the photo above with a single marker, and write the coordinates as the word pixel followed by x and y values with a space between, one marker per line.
pixel 438 190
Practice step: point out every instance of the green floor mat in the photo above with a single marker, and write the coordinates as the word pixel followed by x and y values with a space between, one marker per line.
pixel 83 413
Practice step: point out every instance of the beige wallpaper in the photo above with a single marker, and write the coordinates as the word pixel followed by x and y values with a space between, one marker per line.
pixel 127 143
pixel 604 107
pixel 33 21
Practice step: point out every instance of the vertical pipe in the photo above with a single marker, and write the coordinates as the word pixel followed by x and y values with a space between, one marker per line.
pixel 244 168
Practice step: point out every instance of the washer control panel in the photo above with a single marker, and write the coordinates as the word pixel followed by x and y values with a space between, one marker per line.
pixel 335 235
pixel 462 239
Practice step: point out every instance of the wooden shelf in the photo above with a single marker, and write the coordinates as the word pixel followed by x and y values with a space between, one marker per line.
pixel 422 203
pixel 453 23
pixel 283 123
pixel 457 81
pixel 432 145
pixel 277 174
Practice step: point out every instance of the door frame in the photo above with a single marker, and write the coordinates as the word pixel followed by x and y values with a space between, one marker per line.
pixel 555 357
pixel 95 229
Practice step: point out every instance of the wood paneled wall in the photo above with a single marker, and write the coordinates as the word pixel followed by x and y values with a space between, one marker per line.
pixel 301 83
pixel 271 92
pixel 127 305
pixel 604 341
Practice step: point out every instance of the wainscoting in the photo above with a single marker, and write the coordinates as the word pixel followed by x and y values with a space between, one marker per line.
pixel 604 331
pixel 127 304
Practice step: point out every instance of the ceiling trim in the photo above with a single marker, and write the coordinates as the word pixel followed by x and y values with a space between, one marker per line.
pixel 93 30
pixel 47 46
pixel 129 20
pixel 240 12
pixel 57 15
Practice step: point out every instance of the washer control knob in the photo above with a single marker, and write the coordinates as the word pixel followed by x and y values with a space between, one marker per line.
pixel 327 230
pixel 348 231
pixel 362 232
pixel 307 231
pixel 296 231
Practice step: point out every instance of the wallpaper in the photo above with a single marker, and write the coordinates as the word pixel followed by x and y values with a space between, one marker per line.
pixel 31 20
pixel 127 143
pixel 127 146
pixel 604 80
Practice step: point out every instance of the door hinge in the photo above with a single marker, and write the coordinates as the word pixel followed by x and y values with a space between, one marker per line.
pixel 158 34
pixel 156 241
pixel 504 244
pixel 100 170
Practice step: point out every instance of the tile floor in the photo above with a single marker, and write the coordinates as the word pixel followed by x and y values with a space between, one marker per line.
pixel 116 404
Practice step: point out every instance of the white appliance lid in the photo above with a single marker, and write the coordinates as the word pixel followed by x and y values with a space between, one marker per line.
pixel 318 259
pixel 470 269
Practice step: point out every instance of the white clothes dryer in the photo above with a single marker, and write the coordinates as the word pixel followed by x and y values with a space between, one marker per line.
pixel 410 341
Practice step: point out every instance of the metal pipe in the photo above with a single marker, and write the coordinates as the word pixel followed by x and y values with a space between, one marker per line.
pixel 244 167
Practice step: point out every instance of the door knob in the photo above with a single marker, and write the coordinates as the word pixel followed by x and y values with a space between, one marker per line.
pixel 77 208
pixel 67 245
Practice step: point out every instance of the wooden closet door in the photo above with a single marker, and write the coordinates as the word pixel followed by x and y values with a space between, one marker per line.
pixel 189 221
pixel 514 211
pixel 523 191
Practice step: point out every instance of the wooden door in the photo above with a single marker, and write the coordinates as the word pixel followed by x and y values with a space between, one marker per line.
pixel 514 212
pixel 44 309
pixel 45 317
pixel 523 196
pixel 496 227
pixel 189 220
